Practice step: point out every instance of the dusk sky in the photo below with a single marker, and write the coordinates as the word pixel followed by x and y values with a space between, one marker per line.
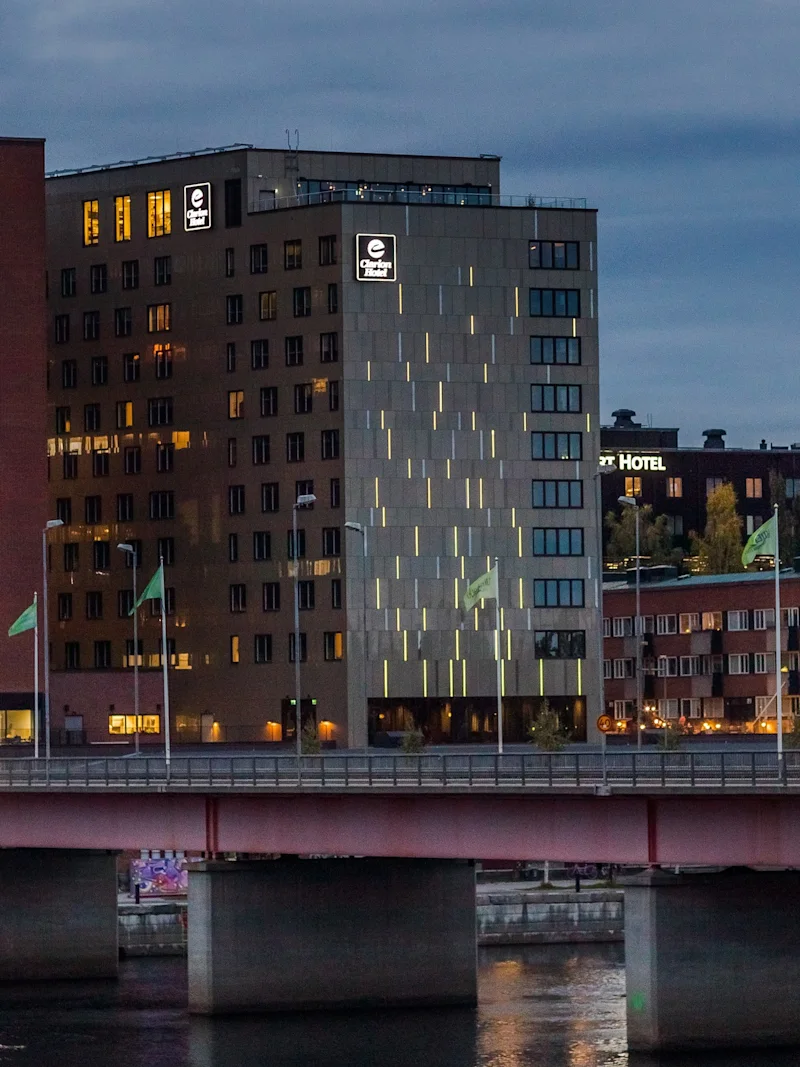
pixel 679 121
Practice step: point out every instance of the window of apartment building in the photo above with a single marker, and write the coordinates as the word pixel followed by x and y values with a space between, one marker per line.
pixel 764 619
pixel 260 449
pixel 262 545
pixel 303 648
pixel 606 627
pixel 269 496
pixel 130 274
pixel 713 483
pixel 711 620
pixel 336 593
pixel 689 622
pixel 555 350
pixel 333 396
pixel 234 309
pixel 607 663
pixel 329 347
pixel 304 487
pixel 125 508
pixel 753 488
pixel 64 607
pixel 162 270
pixel 98 278
pixel 305 595
pixel 327 250
pixel 259 354
pixel 233 548
pixel 558 593
pixel 301 302
pixel 162 357
pixel 792 488
pixel 690 666
pixel 674 525
pixel 292 255
pixel 258 259
pixel 166 550
pixel 159 213
pixel 71 556
pixel 295 447
pixel 165 457
pixel 91 325
pixel 93 510
pixel 557 541
pixel 791 616
pixel 557 493
pixel 237 597
pixel 101 463
pixel 268 306
pixel 667 667
pixel 94 605
pixel 236 404
pixel 763 663
pixel 335 493
pixel 553 255
pixel 72 652
pixel 262 648
pixel 271 596
pixel 666 624
pixel 234 648
pixel 69 281
pixel 559 644
pixel 70 466
pixel 752 523
pixel 230 357
pixel 124 414
pixel 330 444
pixel 230 262
pixel 91 222
pixel 162 504
pixel 64 510
pixel 99 367
pixel 236 500
pixel 132 460
pixel 293 347
pixel 136 555
pixel 295 547
pixel 633 485
pixel 555 303
pixel 739 663
pixel 61 328
pixel 556 446
pixel 91 418
pixel 561 398
pixel 69 374
pixel 624 668
pixel 131 366
pixel 674 487
pixel 233 203
pixel 159 318
pixel 303 398
pixel 269 400
pixel 333 645
pixel 738 620
pixel 333 298
pixel 123 322
pixel 122 218
pixel 160 411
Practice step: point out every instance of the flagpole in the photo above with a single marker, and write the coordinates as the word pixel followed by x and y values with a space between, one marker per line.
pixel 165 665
pixel 497 657
pixel 36 677
pixel 778 685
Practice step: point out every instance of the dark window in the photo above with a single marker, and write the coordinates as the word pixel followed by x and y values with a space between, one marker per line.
pixel 124 603
pixel 333 646
pixel 237 596
pixel 162 270
pixel 162 504
pixel 230 262
pixel 303 648
pixel 305 595
pixel 236 500
pixel 330 444
pixel 294 351
pixel 72 656
pixel 559 644
pixel 271 596
pixel 233 452
pixel 131 365
pixel 101 552
pixel 98 278
pixel 69 374
pixel 259 354
pixel 258 259
pixel 336 493
pixel 301 302
pixel 303 398
pixel 327 250
pixel 101 464
pixel 329 347
pixel 553 255
pixel 262 649
pixel 262 545
pixel 132 460
pixel 165 457
pixel 133 654
pixel 64 607
pixel 269 496
pixel 555 303
pixel 169 604
pixel 125 508
pixel 336 593
pixel 166 550
pixel 331 541
pixel 557 541
pixel 130 274
pixel 556 446
pixel 71 555
pixel 301 545
pixel 136 545
pixel 159 411
pixel 233 548
pixel 91 325
pixel 234 309
pixel 162 356
pixel 230 357
pixel 268 306
pixel 99 370
pixel 558 593
pixel 233 202
pixel 69 281
pixel 123 322
pixel 557 494
pixel 304 487
pixel 295 447
pixel 333 396
pixel 260 449
pixel 61 329
pixel 93 509
pixel 292 255
pixel 559 350
pixel 561 398
pixel 91 418
pixel 333 298
pixel 64 509
pixel 70 466
pixel 269 400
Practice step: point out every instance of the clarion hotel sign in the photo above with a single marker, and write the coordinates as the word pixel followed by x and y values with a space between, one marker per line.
pixel 630 461
pixel 376 257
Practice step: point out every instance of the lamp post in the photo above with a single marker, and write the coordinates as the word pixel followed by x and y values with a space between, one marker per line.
pixel 130 550
pixel 303 500
pixel 358 528
pixel 603 469
pixel 51 524
pixel 631 502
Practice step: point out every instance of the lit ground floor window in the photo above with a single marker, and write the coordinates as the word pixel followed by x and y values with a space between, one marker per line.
pixel 16 725
pixel 126 724
pixel 461 720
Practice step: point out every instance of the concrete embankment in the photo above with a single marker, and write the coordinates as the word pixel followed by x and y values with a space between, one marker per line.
pixel 153 928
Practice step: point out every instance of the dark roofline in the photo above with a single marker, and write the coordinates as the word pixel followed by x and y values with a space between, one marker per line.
pixel 22 140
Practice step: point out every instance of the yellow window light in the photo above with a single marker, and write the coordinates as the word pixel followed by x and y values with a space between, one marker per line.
pixel 448 467
pixel 369 370
pixel 473 420
pixel 463 566
pixel 508 644
pixel 408 372
pixel 476 618
pixel 588 422
pixel 480 492
pixel 502 618
pixel 513 517
pixel 502 678
pixel 434 420
pixel 409 466
pixel 388 442
pixel 429 492
pixel 574 327
pixel 493 442
pixel 525 421
pixel 383 420
pixel 383 519
pixel 397 619
pixel 485 376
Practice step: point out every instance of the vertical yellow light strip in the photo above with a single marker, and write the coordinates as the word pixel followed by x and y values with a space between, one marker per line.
pixel 399 298
pixel 502 677
pixel 369 370
pixel 397 568
pixel 473 420
pixel 378 593
pixel 472 324
pixel 458 644
pixel 463 677
pixel 377 504
pixel 516 301
pixel 455 599
pixel 441 397
pixel 519 540
pixel 424 618
pixel 471 276
pixel 521 593
pixel 405 646
pixel 513 517
pixel 448 468
pixel 541 677
pixel 492 444
pixel 416 540
pixel 588 422
pixel 383 518
pixel 580 679
pixel 455 540
pixel 424 677
pixel 451 677
pixel 427 347
pixel 386 677
pixel 574 327
pixel 397 617
pixel 408 371
pixel 525 420
pixel 480 492
pixel 429 492
pixel 476 618
pixel 485 376
pixel 508 644
pixel 434 420
pixel 409 466
pixel 389 442
pixel 466 491
pixel 383 420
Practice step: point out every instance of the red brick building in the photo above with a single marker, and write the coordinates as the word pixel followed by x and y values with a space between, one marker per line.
pixel 23 463
pixel 708 651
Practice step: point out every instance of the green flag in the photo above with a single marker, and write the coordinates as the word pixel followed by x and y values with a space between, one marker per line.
pixel 482 588
pixel 154 590
pixel 762 542
pixel 26 621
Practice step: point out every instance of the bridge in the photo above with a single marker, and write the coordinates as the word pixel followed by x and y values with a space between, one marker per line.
pixel 388 915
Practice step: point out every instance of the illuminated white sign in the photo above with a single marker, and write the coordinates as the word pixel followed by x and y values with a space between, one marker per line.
pixel 629 461
pixel 197 206
pixel 376 257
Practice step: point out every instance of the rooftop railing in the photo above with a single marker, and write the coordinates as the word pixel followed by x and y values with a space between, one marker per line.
pixel 474 198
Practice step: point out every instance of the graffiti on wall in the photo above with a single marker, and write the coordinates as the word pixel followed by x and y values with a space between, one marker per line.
pixel 160 876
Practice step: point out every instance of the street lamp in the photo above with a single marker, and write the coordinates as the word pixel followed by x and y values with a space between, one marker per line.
pixel 303 500
pixel 130 550
pixel 631 502
pixel 357 527
pixel 603 469
pixel 51 524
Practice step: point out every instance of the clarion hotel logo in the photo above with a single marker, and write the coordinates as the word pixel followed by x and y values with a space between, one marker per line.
pixel 376 257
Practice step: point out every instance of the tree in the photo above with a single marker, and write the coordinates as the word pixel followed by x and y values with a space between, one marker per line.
pixel 655 540
pixel 719 550
pixel 547 733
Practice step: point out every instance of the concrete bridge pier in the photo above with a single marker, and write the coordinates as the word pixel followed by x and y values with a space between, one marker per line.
pixel 58 914
pixel 712 960
pixel 295 934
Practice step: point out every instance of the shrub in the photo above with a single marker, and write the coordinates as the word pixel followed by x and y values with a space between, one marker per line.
pixel 412 743
pixel 547 732
pixel 309 740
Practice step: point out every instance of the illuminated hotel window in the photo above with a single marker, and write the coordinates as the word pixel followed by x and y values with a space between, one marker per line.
pixel 159 318
pixel 124 414
pixel 234 648
pixel 61 329
pixel 130 274
pixel 262 650
pixel 674 487
pixel 234 309
pixel 122 218
pixel 753 488
pixel 63 420
pixel 268 306
pixel 98 278
pixel 333 645
pixel 258 259
pixel 131 366
pixel 159 213
pixel 91 222
pixel 633 486
pixel 162 270
pixel 126 724
pixel 236 404
pixel 162 356
pixel 69 281
pixel 99 370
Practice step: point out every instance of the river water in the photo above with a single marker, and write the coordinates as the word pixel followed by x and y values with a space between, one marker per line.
pixel 553 1006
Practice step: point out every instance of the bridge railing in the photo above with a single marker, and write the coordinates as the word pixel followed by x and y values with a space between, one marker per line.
pixel 534 771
